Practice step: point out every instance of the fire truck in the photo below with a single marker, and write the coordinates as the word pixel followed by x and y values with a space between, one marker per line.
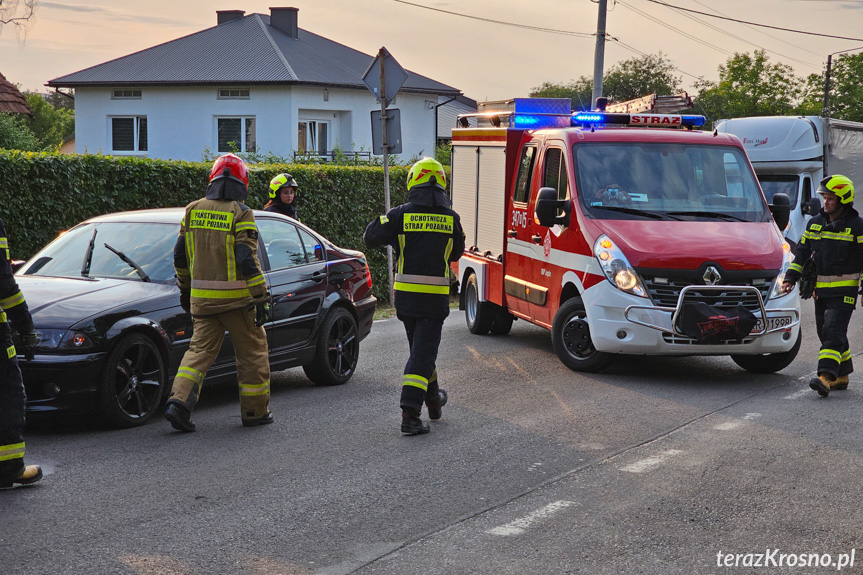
pixel 608 228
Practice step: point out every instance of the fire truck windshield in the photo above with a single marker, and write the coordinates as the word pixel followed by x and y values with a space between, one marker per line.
pixel 629 180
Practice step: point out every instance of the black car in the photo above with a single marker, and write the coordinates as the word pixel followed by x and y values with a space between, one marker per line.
pixel 112 332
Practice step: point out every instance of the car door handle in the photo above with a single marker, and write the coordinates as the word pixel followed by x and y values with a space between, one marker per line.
pixel 317 276
pixel 536 238
pixel 512 233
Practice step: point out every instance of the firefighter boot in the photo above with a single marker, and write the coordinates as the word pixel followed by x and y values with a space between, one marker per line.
pixel 822 384
pixel 840 383
pixel 31 474
pixel 180 417
pixel 434 405
pixel 412 424
pixel 263 420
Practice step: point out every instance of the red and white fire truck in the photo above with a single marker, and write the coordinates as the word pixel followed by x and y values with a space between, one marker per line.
pixel 602 227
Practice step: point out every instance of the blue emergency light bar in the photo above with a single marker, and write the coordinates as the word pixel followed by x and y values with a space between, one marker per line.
pixel 645 120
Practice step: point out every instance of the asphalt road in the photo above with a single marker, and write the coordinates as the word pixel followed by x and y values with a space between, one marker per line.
pixel 656 466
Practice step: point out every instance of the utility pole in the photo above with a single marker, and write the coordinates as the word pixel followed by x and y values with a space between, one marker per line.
pixel 382 54
pixel 824 112
pixel 599 53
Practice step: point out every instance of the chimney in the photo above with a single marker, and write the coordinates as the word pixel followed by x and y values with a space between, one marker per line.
pixel 284 19
pixel 223 16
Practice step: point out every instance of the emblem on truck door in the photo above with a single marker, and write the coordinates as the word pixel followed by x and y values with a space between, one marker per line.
pixel 546 245
pixel 712 276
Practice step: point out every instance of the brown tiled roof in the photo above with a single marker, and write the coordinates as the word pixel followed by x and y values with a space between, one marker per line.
pixel 11 99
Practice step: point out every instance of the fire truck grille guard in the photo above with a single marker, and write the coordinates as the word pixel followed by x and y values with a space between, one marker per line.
pixel 669 294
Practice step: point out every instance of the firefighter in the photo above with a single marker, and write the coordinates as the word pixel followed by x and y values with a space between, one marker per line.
pixel 426 235
pixel 835 237
pixel 221 285
pixel 283 191
pixel 13 309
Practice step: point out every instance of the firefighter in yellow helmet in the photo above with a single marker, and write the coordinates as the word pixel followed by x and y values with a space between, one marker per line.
pixel 283 192
pixel 426 235
pixel 13 309
pixel 834 239
pixel 221 284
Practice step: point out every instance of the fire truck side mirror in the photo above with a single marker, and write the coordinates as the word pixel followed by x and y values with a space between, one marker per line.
pixel 810 208
pixel 551 211
pixel 781 210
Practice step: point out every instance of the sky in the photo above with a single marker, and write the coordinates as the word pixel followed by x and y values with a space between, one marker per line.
pixel 489 49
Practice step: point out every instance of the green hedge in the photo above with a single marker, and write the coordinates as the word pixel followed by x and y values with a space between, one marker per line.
pixel 44 194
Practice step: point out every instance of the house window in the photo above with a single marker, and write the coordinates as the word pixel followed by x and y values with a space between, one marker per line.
pixel 236 135
pixel 126 95
pixel 313 137
pixel 234 94
pixel 129 134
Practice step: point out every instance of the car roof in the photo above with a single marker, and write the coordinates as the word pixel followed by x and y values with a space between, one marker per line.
pixel 155 215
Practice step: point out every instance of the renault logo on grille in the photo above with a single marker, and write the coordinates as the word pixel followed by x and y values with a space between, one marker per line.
pixel 712 276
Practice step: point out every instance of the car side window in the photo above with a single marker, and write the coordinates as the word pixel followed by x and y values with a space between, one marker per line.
pixel 314 249
pixel 555 172
pixel 525 170
pixel 282 243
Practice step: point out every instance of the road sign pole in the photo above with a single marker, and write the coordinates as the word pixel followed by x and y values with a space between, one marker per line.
pixel 382 54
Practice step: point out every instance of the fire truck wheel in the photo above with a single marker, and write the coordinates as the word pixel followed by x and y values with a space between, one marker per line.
pixel 768 362
pixel 570 336
pixel 502 321
pixel 478 314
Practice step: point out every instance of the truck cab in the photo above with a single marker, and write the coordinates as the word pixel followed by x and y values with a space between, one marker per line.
pixel 605 231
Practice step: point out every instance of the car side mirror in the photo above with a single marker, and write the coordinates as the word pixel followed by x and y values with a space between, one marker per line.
pixel 811 207
pixel 548 208
pixel 17 265
pixel 781 210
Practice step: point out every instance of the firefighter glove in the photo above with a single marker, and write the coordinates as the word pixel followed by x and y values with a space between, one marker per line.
pixel 29 339
pixel 262 313
pixel 185 300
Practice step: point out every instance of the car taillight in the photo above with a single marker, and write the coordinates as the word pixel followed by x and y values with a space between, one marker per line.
pixel 369 276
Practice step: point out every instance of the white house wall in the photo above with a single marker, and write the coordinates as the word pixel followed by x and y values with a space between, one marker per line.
pixel 181 122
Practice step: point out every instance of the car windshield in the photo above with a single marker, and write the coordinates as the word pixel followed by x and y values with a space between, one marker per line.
pixel 149 245
pixel 629 180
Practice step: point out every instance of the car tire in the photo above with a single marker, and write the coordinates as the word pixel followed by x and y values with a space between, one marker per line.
pixel 337 350
pixel 478 314
pixel 502 321
pixel 133 382
pixel 570 336
pixel 769 362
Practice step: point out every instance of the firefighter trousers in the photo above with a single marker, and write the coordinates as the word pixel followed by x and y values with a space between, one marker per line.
pixel 832 315
pixel 250 348
pixel 12 402
pixel 420 375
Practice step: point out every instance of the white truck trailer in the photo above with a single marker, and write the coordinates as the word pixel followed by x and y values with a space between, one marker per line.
pixel 791 154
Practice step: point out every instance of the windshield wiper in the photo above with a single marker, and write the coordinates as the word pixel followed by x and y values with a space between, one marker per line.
pixel 88 257
pixel 128 260
pixel 633 211
pixel 717 215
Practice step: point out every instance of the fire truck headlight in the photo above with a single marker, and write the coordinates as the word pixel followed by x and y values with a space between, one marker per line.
pixel 617 268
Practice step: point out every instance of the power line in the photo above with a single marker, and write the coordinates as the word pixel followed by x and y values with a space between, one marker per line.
pixel 754 23
pixel 674 29
pixel 502 23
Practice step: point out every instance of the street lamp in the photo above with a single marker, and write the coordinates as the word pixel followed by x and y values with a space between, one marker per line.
pixel 827 78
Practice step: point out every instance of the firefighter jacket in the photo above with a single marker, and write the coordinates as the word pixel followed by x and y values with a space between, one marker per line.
pixel 426 235
pixel 837 249
pixel 216 257
pixel 12 305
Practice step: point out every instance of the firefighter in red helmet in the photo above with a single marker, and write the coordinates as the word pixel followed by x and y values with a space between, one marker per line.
pixel 14 314
pixel 222 286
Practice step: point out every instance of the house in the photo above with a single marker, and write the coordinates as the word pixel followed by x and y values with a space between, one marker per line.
pixel 252 83
pixel 12 101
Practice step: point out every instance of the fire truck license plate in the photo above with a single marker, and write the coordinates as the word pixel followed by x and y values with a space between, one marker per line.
pixel 773 322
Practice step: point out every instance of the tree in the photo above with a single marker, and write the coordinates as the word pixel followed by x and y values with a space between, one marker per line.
pixel 14 134
pixel 16 13
pixel 749 85
pixel 846 89
pixel 49 124
pixel 628 79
